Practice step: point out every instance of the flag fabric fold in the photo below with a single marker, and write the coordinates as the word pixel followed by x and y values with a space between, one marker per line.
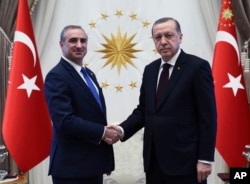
pixel 231 97
pixel 27 128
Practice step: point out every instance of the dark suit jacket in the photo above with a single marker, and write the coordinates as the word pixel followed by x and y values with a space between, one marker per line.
pixel 182 128
pixel 78 125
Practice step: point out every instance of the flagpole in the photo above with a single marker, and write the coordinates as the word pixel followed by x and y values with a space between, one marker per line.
pixel 245 62
pixel 33 6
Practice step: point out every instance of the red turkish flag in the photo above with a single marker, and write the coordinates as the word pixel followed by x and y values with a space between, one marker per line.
pixel 27 128
pixel 231 98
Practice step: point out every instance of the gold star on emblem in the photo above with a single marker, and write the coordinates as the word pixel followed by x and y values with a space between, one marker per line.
pixel 133 16
pixel 155 51
pixel 118 88
pixel 118 13
pixel 145 23
pixel 104 85
pixel 92 24
pixel 133 84
pixel 104 16
pixel 85 64
pixel 119 50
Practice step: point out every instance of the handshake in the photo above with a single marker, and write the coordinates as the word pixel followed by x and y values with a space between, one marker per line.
pixel 112 134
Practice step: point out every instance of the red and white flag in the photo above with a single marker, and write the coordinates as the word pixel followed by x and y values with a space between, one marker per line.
pixel 27 128
pixel 231 98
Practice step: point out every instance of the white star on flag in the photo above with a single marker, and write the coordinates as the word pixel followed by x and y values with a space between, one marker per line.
pixel 29 85
pixel 234 83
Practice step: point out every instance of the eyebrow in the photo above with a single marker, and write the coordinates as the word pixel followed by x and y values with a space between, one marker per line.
pixel 76 38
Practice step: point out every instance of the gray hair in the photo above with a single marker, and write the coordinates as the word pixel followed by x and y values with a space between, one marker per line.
pixel 166 19
pixel 66 28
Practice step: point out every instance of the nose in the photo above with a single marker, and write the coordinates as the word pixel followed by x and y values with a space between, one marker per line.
pixel 164 40
pixel 79 43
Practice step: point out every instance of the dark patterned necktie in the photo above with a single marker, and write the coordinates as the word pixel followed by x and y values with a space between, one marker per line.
pixel 162 81
pixel 91 86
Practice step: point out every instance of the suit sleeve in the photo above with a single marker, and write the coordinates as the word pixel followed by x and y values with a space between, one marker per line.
pixel 206 109
pixel 136 120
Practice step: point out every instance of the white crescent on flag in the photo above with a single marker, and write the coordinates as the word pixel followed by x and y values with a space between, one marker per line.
pixel 227 37
pixel 23 38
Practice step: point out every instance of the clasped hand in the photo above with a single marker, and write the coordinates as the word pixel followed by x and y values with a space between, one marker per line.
pixel 112 134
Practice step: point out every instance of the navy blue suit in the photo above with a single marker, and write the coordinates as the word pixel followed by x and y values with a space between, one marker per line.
pixel 78 125
pixel 181 129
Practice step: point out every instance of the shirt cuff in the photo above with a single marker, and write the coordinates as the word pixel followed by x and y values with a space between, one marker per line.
pixel 121 131
pixel 205 162
pixel 102 135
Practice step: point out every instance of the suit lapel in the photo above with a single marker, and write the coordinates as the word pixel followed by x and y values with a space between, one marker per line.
pixel 151 81
pixel 75 75
pixel 73 72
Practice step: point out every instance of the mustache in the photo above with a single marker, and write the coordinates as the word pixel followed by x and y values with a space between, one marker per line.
pixel 79 50
pixel 164 47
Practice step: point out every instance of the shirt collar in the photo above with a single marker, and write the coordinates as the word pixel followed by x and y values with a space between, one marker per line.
pixel 75 66
pixel 172 61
